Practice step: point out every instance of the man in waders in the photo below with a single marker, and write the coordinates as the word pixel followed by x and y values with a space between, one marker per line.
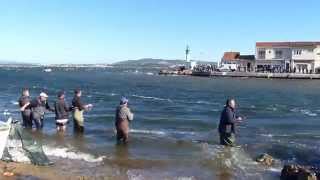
pixel 227 123
pixel 24 103
pixel 123 117
pixel 62 112
pixel 78 108
pixel 38 107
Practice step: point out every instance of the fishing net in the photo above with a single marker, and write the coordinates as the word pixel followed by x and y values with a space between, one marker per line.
pixel 22 147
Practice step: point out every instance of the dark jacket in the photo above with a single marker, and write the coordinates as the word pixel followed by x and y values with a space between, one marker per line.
pixel 61 109
pixel 24 100
pixel 39 108
pixel 227 120
pixel 77 103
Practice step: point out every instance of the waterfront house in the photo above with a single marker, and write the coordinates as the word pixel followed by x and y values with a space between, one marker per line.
pixel 243 63
pixel 296 57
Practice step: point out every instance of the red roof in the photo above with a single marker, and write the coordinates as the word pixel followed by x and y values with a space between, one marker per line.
pixel 230 56
pixel 287 44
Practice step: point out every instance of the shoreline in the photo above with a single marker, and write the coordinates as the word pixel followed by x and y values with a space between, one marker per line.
pixel 245 75
pixel 29 171
pixel 32 172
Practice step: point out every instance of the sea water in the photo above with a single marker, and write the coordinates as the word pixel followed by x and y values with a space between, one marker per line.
pixel 174 133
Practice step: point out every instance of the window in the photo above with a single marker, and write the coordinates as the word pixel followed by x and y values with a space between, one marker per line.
pixel 261 54
pixel 278 54
pixel 297 52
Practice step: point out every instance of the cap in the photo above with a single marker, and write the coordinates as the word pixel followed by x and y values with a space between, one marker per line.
pixel 43 95
pixel 124 100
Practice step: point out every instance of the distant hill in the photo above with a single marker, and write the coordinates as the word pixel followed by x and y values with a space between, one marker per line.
pixel 145 61
pixel 151 63
pixel 8 62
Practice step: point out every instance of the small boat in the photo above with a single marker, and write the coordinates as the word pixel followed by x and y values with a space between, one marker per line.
pixel 47 70
pixel 4 133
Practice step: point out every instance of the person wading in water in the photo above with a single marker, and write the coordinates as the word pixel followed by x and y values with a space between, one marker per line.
pixel 24 103
pixel 78 108
pixel 62 112
pixel 123 117
pixel 39 106
pixel 227 123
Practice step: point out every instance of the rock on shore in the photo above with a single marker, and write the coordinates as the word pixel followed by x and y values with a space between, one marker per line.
pixel 296 172
pixel 265 159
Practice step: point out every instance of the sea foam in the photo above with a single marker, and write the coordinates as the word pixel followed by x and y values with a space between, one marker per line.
pixel 150 97
pixel 18 154
pixel 70 154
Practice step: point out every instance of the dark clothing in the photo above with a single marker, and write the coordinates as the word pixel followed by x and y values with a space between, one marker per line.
pixel 38 122
pixel 78 120
pixel 39 108
pixel 26 118
pixel 77 103
pixel 24 100
pixel 61 109
pixel 26 113
pixel 123 117
pixel 122 130
pixel 227 127
pixel 77 127
pixel 227 121
pixel 227 139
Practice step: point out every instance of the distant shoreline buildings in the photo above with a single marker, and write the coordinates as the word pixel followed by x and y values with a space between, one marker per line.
pixel 277 57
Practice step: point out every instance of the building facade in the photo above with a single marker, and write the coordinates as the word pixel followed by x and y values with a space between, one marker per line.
pixel 296 57
pixel 244 63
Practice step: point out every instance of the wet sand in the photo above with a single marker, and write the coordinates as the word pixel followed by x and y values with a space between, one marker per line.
pixel 30 172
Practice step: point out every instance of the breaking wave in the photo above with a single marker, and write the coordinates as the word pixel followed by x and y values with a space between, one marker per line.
pixel 18 154
pixel 162 133
pixel 238 161
pixel 206 102
pixel 304 112
pixel 148 132
pixel 14 102
pixel 69 154
pixel 150 97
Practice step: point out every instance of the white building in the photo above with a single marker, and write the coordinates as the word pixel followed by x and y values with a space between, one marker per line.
pixel 299 57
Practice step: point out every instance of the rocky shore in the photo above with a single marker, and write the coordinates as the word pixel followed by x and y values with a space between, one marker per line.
pixel 297 172
pixel 292 171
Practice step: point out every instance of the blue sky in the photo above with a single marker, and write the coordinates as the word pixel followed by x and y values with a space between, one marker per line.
pixel 105 31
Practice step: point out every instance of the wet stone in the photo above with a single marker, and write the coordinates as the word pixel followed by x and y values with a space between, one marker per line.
pixel 296 172
pixel 265 159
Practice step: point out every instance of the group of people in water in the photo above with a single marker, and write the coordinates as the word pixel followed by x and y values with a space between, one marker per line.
pixel 33 112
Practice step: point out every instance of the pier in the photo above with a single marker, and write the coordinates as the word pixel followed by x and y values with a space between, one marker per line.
pixel 257 75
